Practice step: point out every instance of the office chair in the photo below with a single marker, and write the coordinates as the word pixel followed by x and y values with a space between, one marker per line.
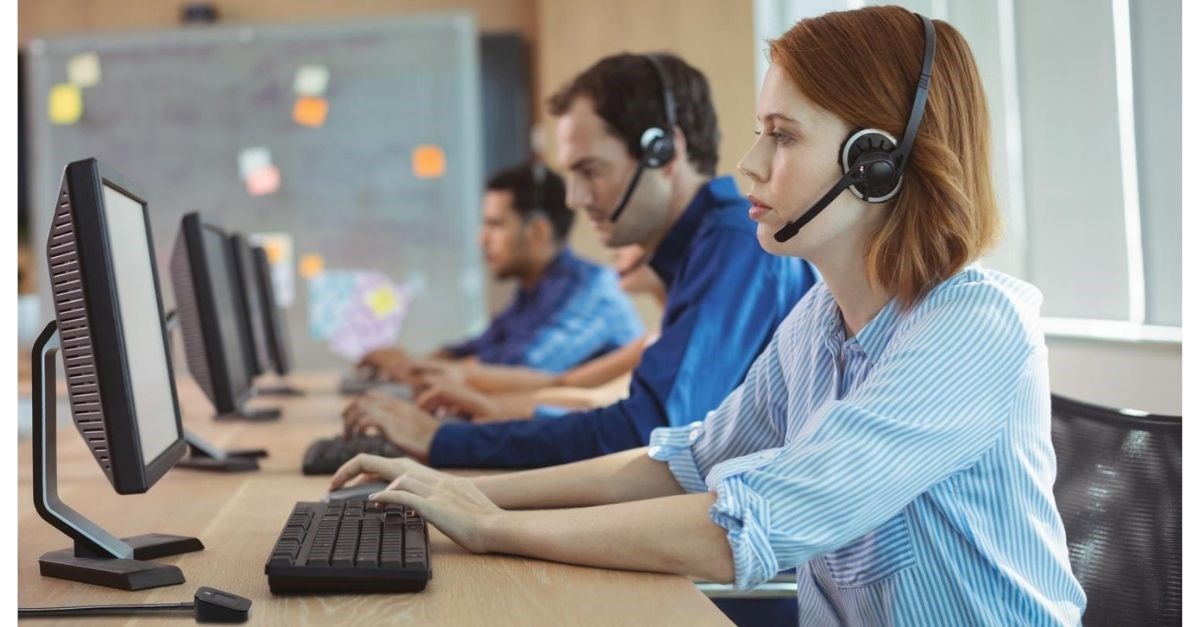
pixel 1119 491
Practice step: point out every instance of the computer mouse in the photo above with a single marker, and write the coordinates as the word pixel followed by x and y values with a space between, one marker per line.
pixel 354 494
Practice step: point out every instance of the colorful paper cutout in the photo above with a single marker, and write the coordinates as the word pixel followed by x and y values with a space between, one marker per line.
pixel 310 111
pixel 263 181
pixel 355 311
pixel 251 160
pixel 83 70
pixel 382 301
pixel 328 295
pixel 311 265
pixel 65 105
pixel 311 80
pixel 429 161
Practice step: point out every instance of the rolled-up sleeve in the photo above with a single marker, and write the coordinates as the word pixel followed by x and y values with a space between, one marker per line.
pixel 674 446
pixel 747 420
pixel 931 407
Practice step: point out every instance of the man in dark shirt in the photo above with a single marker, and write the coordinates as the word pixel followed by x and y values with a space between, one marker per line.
pixel 725 295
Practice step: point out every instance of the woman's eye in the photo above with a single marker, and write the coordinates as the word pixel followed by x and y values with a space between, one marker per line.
pixel 781 138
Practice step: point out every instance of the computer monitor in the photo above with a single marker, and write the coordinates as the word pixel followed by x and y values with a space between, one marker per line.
pixel 209 307
pixel 257 357
pixel 276 327
pixel 120 383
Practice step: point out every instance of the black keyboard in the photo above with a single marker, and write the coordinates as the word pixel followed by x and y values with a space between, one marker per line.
pixel 350 547
pixel 325 456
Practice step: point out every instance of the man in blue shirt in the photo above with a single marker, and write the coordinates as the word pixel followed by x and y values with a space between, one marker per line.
pixel 725 296
pixel 566 311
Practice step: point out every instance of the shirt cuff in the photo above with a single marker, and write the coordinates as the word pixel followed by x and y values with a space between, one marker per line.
pixel 746 517
pixel 549 411
pixel 451 445
pixel 674 446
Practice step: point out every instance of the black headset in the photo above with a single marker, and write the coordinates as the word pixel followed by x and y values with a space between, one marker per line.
pixel 872 164
pixel 657 145
pixel 538 173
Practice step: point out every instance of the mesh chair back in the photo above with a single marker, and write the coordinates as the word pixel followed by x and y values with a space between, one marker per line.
pixel 1119 491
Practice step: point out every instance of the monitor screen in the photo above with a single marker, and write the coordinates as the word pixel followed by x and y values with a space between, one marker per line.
pixel 218 254
pixel 145 349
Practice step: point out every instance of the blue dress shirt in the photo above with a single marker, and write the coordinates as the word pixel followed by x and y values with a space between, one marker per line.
pixel 725 296
pixel 906 473
pixel 576 312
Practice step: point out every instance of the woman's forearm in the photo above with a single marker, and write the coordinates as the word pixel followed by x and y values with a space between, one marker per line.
pixel 668 535
pixel 626 476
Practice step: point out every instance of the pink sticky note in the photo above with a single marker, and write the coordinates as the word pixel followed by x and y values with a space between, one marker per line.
pixel 263 181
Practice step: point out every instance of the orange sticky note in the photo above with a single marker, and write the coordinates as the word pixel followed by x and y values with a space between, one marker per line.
pixel 429 162
pixel 311 265
pixel 274 250
pixel 310 111
pixel 263 181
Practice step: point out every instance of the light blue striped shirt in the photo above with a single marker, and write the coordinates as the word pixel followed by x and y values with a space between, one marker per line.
pixel 905 473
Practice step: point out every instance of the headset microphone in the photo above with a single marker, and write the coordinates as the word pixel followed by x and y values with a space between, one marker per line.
pixel 872 163
pixel 657 145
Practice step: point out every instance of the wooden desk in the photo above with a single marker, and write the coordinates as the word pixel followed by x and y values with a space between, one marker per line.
pixel 239 516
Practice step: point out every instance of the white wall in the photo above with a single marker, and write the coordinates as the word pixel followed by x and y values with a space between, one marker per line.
pixel 1144 376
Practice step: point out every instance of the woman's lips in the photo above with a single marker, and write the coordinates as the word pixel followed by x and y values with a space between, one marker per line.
pixel 758 209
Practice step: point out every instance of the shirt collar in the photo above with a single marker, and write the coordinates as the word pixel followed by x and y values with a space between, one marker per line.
pixel 563 260
pixel 873 338
pixel 717 192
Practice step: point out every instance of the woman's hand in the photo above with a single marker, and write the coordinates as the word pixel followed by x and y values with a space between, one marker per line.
pixel 452 504
pixel 400 422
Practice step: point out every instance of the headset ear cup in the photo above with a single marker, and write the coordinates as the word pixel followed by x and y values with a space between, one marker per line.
pixel 882 176
pixel 658 147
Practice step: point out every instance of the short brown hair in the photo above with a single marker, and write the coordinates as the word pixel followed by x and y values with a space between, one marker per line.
pixel 862 66
pixel 627 95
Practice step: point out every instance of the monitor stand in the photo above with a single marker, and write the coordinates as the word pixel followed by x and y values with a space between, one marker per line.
pixel 266 414
pixel 204 455
pixel 97 556
pixel 284 389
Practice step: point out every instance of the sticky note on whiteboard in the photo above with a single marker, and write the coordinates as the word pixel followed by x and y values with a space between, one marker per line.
pixel 311 265
pixel 263 181
pixel 83 70
pixel 310 111
pixel 65 105
pixel 251 160
pixel 428 161
pixel 311 80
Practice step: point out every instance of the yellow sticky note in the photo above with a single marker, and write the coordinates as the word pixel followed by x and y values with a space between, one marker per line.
pixel 382 301
pixel 311 265
pixel 84 69
pixel 429 162
pixel 66 104
pixel 309 111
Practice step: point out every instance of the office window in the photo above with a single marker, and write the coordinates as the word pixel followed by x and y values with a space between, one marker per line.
pixel 1085 100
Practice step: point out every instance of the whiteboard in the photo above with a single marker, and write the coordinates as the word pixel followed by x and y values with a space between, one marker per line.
pixel 174 109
